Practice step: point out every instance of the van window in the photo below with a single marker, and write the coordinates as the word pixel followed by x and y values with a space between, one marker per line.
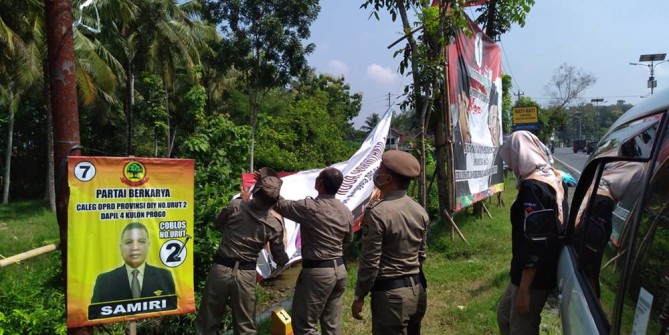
pixel 601 225
pixel 633 140
pixel 646 300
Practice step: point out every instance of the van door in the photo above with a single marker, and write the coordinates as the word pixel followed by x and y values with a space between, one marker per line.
pixel 590 271
pixel 645 298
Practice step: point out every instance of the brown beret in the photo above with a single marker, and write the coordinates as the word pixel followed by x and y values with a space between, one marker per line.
pixel 402 163
pixel 270 186
pixel 264 172
pixel 261 174
pixel 266 194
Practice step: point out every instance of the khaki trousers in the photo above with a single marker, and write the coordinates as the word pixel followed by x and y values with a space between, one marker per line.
pixel 318 297
pixel 398 311
pixel 512 322
pixel 223 283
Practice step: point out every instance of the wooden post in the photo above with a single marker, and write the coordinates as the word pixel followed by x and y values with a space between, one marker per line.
pixel 454 226
pixel 486 210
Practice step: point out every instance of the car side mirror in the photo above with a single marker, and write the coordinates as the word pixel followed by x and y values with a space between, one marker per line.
pixel 541 225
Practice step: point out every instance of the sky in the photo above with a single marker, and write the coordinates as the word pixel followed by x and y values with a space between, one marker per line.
pixel 600 37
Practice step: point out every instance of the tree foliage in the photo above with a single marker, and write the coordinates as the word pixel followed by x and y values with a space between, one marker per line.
pixel 371 122
pixel 497 16
pixel 507 121
pixel 265 37
pixel 309 124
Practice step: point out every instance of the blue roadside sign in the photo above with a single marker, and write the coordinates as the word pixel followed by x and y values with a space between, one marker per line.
pixel 531 126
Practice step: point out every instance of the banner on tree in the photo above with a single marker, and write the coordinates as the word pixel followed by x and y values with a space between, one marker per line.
pixel 475 95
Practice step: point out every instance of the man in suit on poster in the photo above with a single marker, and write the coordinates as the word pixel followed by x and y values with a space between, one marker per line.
pixel 135 278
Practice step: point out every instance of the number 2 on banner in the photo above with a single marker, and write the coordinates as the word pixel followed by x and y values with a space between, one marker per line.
pixel 84 171
pixel 173 253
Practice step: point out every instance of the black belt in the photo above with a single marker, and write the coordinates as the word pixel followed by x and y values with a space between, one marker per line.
pixel 229 262
pixel 328 263
pixel 393 283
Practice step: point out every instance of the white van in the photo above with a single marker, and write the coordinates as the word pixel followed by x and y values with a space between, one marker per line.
pixel 613 272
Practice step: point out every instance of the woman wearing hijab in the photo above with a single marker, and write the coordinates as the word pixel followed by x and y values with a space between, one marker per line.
pixel 533 264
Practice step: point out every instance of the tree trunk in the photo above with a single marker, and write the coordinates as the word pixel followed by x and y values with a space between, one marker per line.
pixel 420 103
pixel 490 24
pixel 128 105
pixel 253 99
pixel 445 166
pixel 50 194
pixel 206 82
pixel 440 142
pixel 168 136
pixel 8 156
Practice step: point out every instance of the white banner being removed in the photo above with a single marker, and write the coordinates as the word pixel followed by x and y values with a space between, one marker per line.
pixel 355 191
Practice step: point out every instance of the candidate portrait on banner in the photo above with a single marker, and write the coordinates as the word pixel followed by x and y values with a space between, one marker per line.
pixel 135 278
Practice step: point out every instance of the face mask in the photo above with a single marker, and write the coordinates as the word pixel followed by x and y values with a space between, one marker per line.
pixel 378 183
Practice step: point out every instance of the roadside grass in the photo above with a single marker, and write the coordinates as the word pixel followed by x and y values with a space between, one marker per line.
pixel 25 225
pixel 31 295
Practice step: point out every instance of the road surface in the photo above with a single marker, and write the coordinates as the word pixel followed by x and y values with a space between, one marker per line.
pixel 574 163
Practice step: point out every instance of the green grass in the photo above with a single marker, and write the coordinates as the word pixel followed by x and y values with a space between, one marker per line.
pixel 24 226
pixel 31 294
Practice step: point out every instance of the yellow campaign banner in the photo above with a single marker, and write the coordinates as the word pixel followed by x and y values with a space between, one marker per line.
pixel 524 115
pixel 130 245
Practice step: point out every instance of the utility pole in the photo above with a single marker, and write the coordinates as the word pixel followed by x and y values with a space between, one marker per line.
pixel 60 43
pixel 519 94
pixel 388 99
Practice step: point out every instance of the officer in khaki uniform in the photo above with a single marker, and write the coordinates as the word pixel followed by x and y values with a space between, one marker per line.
pixel 394 233
pixel 325 226
pixel 247 227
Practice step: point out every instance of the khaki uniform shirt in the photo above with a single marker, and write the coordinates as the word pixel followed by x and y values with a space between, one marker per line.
pixel 394 233
pixel 326 224
pixel 247 229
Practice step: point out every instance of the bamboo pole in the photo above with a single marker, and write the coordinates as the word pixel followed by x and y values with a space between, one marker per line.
pixel 454 226
pixel 16 259
pixel 486 210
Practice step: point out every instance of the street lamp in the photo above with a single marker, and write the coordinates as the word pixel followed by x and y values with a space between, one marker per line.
pixel 597 101
pixel 652 83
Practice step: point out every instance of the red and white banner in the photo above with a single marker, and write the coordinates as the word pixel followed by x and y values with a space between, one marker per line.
pixel 355 191
pixel 475 95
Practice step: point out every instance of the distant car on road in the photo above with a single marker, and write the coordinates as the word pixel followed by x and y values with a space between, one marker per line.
pixel 613 272
pixel 579 145
pixel 591 147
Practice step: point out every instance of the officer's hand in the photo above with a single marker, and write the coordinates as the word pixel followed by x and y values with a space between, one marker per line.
pixel 523 301
pixel 245 194
pixel 356 308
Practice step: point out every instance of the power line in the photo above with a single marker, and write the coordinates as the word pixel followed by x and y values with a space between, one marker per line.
pixel 513 77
